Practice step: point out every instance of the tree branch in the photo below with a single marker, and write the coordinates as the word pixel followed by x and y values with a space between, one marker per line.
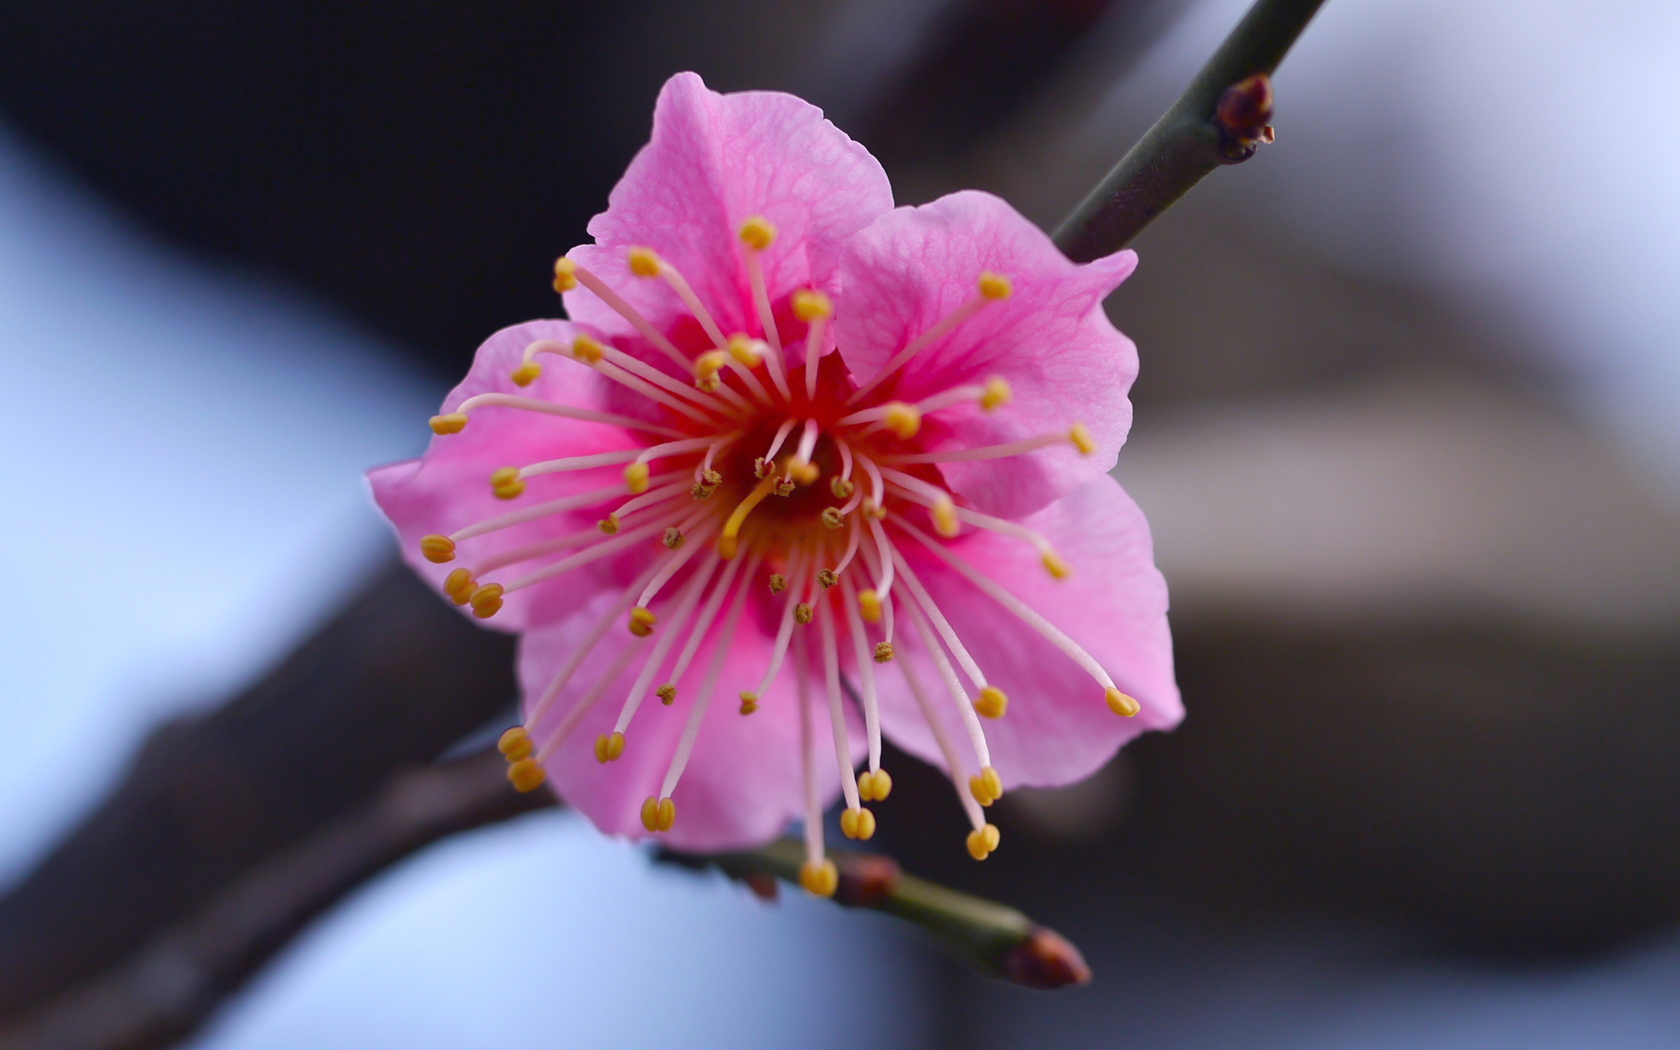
pixel 1194 136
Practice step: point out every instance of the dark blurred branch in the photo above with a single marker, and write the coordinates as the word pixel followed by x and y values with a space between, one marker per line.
pixel 1218 120
pixel 392 681
pixel 168 988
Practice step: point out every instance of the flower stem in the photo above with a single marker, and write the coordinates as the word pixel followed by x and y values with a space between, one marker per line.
pixel 997 940
pixel 1191 139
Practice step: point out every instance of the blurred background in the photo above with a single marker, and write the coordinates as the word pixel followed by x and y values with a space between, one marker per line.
pixel 1404 434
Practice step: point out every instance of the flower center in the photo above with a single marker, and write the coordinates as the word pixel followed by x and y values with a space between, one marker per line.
pixel 763 472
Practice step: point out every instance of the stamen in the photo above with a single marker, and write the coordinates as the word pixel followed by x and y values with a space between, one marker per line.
pixel 532 513
pixel 627 455
pixel 865 673
pixel 728 540
pixel 782 433
pixel 525 552
pixel 797 566
pixel 1050 632
pixel 595 553
pixel 532 404
pixel 676 559
pixel 656 495
pixel 852 536
pixel 599 355
pixel 802 469
pixel 740 358
pixel 971 721
pixel 941 507
pixel 661 268
pixel 818 874
pixel 992 287
pixel 585 704
pixel 921 596
pixel 587 645
pixel 628 312
pixel 814 308
pixel 958 455
pixel 686 601
pixel 953 758
pixel 1053 563
pixel 837 713
pixel 708 685
pixel 757 234
pixel 708 612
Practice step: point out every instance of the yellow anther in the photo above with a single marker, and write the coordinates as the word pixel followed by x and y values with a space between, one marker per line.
pixel 778 583
pixel 643 262
pixel 902 419
pixel 667 694
pixel 459 585
pixel 873 787
pixel 587 350
pixel 977 846
pixel 883 652
pixel 857 823
pixel 820 879
pixel 995 394
pixel 985 786
pixel 801 614
pixel 515 744
pixel 708 364
pixel 437 549
pixel 994 286
pixel 810 304
pixel 841 487
pixel 525 775
pixel 749 703
pixel 990 835
pixel 991 703
pixel 848 823
pixel 827 578
pixel 804 472
pixel 784 487
pixel 1054 565
pixel 944 516
pixel 757 233
pixel 1081 439
pixel 526 374
pixel 486 600
pixel 673 538
pixel 608 524
pixel 658 814
pixel 874 510
pixel 869 605
pixel 450 423
pixel 742 349
pixel 1120 703
pixel 506 483
pixel 831 518
pixel 609 747
pixel 565 274
pixel 761 467
pixel 636 478
pixel 728 538
pixel 642 621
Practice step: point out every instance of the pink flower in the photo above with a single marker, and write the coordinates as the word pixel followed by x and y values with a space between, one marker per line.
pixel 843 463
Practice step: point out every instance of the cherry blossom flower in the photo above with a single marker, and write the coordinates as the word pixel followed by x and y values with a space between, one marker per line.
pixel 801 471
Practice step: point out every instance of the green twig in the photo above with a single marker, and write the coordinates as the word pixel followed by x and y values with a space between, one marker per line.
pixel 997 940
pixel 1196 135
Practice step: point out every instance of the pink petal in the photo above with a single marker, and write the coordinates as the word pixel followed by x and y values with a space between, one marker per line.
pixel 1057 728
pixel 1050 340
pixel 714 161
pixel 744 781
pixel 448 488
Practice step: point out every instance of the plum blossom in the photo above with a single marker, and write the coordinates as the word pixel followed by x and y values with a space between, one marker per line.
pixel 806 470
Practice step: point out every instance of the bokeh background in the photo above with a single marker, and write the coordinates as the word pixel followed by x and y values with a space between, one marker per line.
pixel 1405 433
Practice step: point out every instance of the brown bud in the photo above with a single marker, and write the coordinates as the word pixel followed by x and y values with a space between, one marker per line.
pixel 1045 959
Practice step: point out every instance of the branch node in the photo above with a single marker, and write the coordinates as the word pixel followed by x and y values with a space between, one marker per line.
pixel 1243 118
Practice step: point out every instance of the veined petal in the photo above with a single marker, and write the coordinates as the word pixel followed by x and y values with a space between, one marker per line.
pixel 745 777
pixel 1050 340
pixel 1057 728
pixel 448 488
pixel 714 161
